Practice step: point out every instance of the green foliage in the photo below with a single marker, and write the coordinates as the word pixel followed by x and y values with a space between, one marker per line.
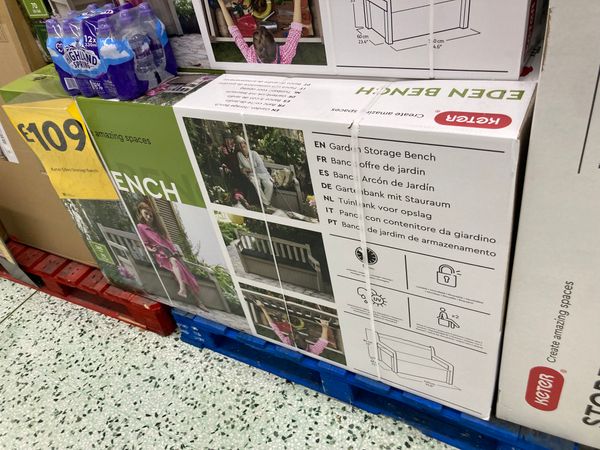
pixel 184 8
pixel 224 279
pixel 112 274
pixel 228 230
pixel 256 226
pixel 278 144
pixel 200 271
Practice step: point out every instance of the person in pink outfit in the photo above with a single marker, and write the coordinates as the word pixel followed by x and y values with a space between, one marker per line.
pixel 264 49
pixel 284 330
pixel 165 254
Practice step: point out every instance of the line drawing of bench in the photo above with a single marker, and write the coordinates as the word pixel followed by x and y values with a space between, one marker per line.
pixel 128 249
pixel 404 357
pixel 295 262
pixel 289 197
pixel 396 20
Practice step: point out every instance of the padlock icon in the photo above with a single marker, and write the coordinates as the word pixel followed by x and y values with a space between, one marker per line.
pixel 446 275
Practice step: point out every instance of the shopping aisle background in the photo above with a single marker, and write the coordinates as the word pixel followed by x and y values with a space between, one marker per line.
pixel 72 378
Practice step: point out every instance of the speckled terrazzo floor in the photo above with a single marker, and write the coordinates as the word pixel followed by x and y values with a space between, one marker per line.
pixel 72 378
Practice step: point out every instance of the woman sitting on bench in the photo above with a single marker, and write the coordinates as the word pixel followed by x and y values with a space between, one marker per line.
pixel 164 251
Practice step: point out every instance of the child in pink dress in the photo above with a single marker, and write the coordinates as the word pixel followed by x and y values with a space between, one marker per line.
pixel 284 330
pixel 264 49
pixel 164 251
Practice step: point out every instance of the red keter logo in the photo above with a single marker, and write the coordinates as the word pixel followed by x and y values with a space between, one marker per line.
pixel 544 388
pixel 473 119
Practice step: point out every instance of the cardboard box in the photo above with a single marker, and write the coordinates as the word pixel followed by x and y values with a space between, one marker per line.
pixel 463 39
pixel 29 207
pixel 76 174
pixel 17 44
pixel 382 209
pixel 550 376
pixel 163 239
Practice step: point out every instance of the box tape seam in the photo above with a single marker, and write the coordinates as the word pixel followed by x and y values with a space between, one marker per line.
pixel 355 154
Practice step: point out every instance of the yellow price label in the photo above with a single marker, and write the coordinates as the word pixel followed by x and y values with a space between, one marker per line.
pixel 55 131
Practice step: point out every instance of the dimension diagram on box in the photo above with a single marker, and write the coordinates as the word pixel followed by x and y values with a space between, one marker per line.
pixel 408 24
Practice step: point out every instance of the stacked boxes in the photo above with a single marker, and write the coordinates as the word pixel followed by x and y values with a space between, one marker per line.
pixel 550 376
pixel 29 208
pixel 343 231
pixel 473 39
pixel 365 223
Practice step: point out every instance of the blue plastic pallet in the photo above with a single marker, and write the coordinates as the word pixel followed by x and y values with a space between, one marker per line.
pixel 440 422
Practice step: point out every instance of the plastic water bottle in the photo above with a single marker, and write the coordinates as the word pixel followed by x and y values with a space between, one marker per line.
pixel 73 49
pixel 89 10
pixel 104 30
pixel 104 35
pixel 140 45
pixel 54 44
pixel 149 24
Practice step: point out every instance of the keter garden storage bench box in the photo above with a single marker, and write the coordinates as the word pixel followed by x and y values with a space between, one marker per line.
pixel 550 374
pixel 390 258
pixel 446 39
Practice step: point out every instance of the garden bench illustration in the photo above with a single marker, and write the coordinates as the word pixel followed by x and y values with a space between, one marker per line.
pixel 295 262
pixel 405 357
pixel 396 20
pixel 127 248
pixel 287 196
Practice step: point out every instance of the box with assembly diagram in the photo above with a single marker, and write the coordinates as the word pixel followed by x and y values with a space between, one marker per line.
pixel 463 39
pixel 368 223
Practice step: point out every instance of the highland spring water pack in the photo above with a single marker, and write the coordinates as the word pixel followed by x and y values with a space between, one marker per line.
pixel 111 51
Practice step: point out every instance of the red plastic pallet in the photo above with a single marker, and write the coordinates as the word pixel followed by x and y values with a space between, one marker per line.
pixel 87 287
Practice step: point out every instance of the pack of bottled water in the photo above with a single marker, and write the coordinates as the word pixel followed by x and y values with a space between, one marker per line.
pixel 110 51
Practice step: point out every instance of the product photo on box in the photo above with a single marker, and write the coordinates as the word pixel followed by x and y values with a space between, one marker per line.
pixel 472 39
pixel 164 241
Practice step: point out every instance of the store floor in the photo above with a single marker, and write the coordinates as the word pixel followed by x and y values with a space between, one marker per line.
pixel 72 378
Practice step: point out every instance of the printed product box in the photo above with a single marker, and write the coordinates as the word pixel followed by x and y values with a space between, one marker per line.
pixel 17 43
pixel 550 375
pixel 366 223
pixel 166 243
pixel 29 207
pixel 50 124
pixel 464 39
